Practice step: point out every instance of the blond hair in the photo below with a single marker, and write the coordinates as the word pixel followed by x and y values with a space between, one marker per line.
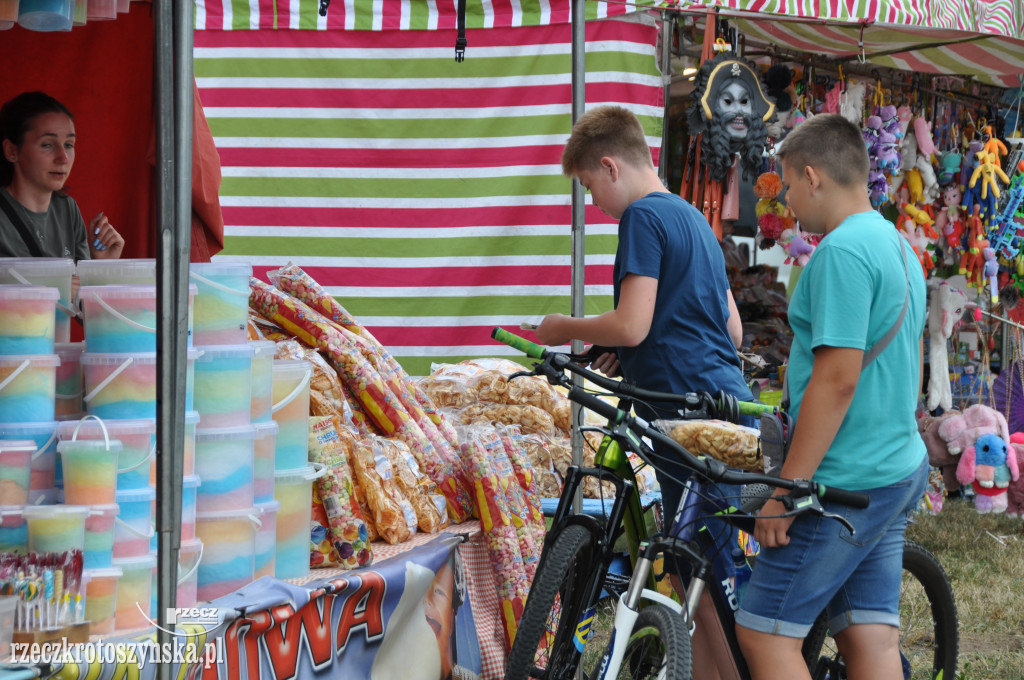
pixel 605 131
pixel 831 144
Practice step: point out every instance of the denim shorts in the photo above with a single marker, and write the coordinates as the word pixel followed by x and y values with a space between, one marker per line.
pixel 857 575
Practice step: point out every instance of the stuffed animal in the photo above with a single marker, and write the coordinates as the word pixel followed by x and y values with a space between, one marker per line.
pixel 798 248
pixel 988 468
pixel 938 450
pixel 923 132
pixel 987 171
pixel 772 215
pixel 990 272
pixel 993 144
pixel 948 219
pixel 961 431
pixel 972 262
pixel 1015 492
pixel 945 308
pixel 928 179
pixel 950 166
pixel 851 104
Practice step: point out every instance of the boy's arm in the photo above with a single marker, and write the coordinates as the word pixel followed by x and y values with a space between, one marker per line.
pixel 735 323
pixel 824 404
pixel 625 326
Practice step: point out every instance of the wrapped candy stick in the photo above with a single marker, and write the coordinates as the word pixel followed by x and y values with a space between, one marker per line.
pixel 512 439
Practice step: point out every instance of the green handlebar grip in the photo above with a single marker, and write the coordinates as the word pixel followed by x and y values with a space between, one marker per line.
pixel 749 408
pixel 530 349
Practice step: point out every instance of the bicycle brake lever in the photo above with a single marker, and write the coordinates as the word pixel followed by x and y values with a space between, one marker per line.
pixel 520 374
pixel 839 518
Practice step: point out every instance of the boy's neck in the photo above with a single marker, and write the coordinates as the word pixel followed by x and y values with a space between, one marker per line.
pixel 645 181
pixel 844 205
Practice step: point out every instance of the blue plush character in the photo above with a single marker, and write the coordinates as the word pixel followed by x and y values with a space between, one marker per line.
pixel 988 468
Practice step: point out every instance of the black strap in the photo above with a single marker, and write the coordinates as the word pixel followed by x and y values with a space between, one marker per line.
pixel 460 41
pixel 26 235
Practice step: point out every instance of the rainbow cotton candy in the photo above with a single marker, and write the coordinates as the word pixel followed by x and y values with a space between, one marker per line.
pixel 28 386
pixel 294 491
pixel 228 547
pixel 224 463
pixel 101 599
pixel 135 588
pixel 90 470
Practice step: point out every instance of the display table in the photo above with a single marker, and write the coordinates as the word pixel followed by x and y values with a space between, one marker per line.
pixel 426 609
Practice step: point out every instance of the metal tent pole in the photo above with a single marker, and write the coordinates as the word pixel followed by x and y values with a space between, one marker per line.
pixel 579 68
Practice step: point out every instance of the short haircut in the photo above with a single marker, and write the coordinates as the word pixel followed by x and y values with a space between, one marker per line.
pixel 830 143
pixel 16 116
pixel 605 131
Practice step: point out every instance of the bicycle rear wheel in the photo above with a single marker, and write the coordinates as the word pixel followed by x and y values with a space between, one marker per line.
pixel 929 635
pixel 544 646
pixel 658 648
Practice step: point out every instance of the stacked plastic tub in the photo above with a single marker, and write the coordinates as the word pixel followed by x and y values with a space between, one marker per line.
pixel 227 518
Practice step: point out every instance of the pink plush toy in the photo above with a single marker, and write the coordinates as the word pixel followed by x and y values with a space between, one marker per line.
pixel 989 467
pixel 1015 492
pixel 923 133
pixel 938 451
pixel 796 246
pixel 962 431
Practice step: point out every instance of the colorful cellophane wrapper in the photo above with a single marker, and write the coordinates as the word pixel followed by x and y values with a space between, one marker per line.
pixel 393 515
pixel 365 385
pixel 500 534
pixel 416 486
pixel 322 553
pixel 512 439
pixel 346 528
pixel 300 285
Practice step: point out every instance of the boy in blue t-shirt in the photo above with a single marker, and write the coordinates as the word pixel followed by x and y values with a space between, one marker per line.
pixel 855 425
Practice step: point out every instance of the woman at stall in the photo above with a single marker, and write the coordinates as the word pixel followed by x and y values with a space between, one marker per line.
pixel 37 219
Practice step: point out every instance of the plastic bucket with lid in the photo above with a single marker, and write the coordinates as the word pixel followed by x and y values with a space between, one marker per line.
pixel 229 544
pixel 223 375
pixel 44 458
pixel 27 319
pixel 123 272
pixel 293 489
pixel 222 302
pixel 263 461
pixel 133 531
pixel 291 412
pixel 53 272
pixel 28 387
pixel 262 380
pixel 99 536
pixel 45 15
pixel 134 592
pixel 8 13
pixel 189 490
pixel 15 470
pixel 224 461
pixel 70 385
pixel 100 587
pixel 101 10
pixel 190 556
pixel 55 528
pixel 121 319
pixel 138 445
pixel 89 467
pixel 266 539
pixel 123 386
pixel 80 16
pixel 13 530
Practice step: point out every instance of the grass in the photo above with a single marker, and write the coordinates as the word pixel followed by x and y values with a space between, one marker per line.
pixel 983 555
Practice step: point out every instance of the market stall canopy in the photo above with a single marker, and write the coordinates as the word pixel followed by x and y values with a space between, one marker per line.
pixel 981 39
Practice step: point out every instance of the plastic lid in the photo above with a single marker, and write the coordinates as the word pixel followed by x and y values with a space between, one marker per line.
pixel 207 434
pixel 190 545
pixel 214 352
pixel 38 359
pixel 117 291
pixel 19 291
pixel 33 511
pixel 95 266
pixel 191 417
pixel 305 474
pixel 193 353
pixel 18 445
pixel 242 513
pixel 191 482
pixel 145 494
pixel 266 429
pixel 147 561
pixel 260 347
pixel 110 509
pixel 115 426
pixel 106 359
pixel 67 349
pixel 268 506
pixel 102 572
pixel 97 444
pixel 221 268
pixel 11 429
pixel 292 367
pixel 39 266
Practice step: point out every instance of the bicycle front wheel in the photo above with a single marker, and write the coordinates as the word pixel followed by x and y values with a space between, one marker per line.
pixel 658 647
pixel 545 645
pixel 929 635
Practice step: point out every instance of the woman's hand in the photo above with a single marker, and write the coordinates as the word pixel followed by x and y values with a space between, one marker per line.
pixel 104 241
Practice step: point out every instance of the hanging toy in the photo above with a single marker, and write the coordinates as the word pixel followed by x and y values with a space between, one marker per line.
pixel 993 144
pixel 972 262
pixel 987 171
pixel 930 184
pixel 796 245
pixel 923 132
pixel 772 215
pixel 950 167
pixel 990 272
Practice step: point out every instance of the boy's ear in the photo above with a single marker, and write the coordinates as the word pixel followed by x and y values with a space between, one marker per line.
pixel 609 164
pixel 813 176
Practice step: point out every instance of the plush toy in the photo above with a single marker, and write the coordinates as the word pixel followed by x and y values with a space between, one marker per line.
pixel 772 215
pixel 990 272
pixel 908 152
pixel 989 469
pixel 961 431
pixel 888 151
pixel 993 144
pixel 950 166
pixel 1015 492
pixel 970 161
pixel 915 185
pixel 798 248
pixel 923 132
pixel 906 116
pixel 972 262
pixel 919 242
pixel 987 171
pixel 931 183
pixel 948 221
pixel 851 106
pixel 945 308
pixel 938 450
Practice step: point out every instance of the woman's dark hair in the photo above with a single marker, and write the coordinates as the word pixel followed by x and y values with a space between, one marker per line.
pixel 15 120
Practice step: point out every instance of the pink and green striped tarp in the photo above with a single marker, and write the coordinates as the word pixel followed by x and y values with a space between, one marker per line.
pixel 425 194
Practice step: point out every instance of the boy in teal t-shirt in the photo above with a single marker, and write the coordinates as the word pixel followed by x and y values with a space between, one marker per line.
pixel 856 429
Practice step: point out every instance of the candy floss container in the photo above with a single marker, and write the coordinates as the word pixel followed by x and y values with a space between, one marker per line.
pixel 134 589
pixel 266 539
pixel 56 528
pixel 124 272
pixel 133 531
pixel 190 556
pixel 123 386
pixel 189 490
pixel 293 489
pixel 89 468
pixel 223 376
pixel 224 461
pixel 262 380
pixel 52 272
pixel 15 471
pixel 121 319
pixel 99 536
pixel 27 318
pixel 263 461
pixel 101 598
pixel 44 459
pixel 70 385
pixel 222 302
pixel 13 529
pixel 291 412
pixel 229 543
pixel 28 387
pixel 138 445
